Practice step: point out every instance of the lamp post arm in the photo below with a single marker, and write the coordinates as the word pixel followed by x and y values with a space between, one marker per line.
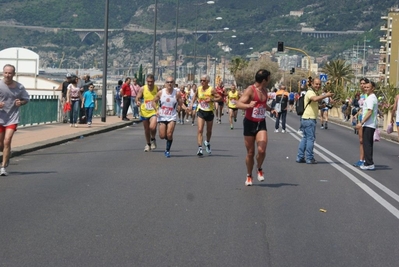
pixel 300 50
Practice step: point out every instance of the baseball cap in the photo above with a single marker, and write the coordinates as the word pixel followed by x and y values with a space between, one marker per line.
pixel 68 75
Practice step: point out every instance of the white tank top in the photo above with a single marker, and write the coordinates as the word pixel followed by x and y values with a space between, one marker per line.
pixel 167 109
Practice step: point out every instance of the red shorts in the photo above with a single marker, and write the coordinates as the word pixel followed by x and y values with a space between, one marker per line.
pixel 11 126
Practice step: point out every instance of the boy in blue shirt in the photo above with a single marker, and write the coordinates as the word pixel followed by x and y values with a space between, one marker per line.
pixel 89 103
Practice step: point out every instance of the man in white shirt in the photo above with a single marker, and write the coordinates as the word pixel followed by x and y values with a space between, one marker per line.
pixel 369 125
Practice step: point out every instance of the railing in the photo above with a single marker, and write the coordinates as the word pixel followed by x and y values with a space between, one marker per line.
pixel 46 109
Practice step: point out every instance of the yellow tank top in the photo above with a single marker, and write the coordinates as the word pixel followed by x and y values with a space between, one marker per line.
pixel 202 96
pixel 233 97
pixel 146 108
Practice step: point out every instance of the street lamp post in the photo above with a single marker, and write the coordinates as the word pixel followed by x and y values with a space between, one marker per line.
pixel 177 26
pixel 155 37
pixel 105 69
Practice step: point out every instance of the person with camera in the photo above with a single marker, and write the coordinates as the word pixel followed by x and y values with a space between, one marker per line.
pixel 308 123
pixel 324 107
pixel 281 108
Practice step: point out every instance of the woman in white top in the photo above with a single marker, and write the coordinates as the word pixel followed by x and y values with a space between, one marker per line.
pixel 170 99
pixel 74 96
pixel 395 113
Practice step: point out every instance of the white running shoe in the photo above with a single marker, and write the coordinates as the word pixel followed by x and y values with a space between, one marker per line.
pixel 147 148
pixel 207 147
pixel 199 152
pixel 276 130
pixel 261 178
pixel 248 181
pixel 368 167
pixel 153 144
pixel 3 172
pixel 283 131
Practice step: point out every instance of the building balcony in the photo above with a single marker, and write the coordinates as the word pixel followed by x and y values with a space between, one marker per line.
pixel 384 28
pixel 383 39
pixel 382 62
pixel 384 17
pixel 383 51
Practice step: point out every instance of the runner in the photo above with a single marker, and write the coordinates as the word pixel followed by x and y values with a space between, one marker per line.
pixel 191 95
pixel 205 96
pixel 219 104
pixel 148 114
pixel 233 97
pixel 182 112
pixel 254 100
pixel 169 99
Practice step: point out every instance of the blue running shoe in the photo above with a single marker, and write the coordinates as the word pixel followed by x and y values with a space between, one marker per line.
pixel 167 154
pixel 359 163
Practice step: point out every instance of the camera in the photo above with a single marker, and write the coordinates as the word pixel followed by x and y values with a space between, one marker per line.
pixel 329 106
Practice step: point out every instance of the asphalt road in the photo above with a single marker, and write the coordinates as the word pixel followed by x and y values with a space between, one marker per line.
pixel 102 201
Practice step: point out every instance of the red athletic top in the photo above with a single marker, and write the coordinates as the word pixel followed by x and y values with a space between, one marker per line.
pixel 126 90
pixel 257 113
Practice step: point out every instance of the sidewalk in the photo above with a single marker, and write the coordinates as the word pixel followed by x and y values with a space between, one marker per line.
pixel 31 138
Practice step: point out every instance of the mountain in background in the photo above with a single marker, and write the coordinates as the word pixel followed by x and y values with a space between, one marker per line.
pixel 256 24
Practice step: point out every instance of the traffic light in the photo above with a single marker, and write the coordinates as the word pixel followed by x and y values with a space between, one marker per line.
pixel 292 71
pixel 280 47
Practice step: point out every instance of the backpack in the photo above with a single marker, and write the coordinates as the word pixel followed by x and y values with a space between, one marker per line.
pixel 117 92
pixel 300 105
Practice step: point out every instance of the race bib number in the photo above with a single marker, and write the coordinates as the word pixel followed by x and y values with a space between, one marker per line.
pixel 204 105
pixel 258 112
pixel 233 102
pixel 166 111
pixel 148 105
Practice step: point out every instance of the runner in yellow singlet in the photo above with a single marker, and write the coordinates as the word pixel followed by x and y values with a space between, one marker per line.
pixel 147 112
pixel 233 96
pixel 206 96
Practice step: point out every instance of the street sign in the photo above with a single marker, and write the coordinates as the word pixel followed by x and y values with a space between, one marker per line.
pixel 303 82
pixel 323 78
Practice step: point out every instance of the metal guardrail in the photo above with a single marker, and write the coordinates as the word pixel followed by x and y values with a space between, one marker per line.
pixel 43 109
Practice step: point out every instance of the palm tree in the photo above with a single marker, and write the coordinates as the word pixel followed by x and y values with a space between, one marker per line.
pixel 338 72
pixel 237 64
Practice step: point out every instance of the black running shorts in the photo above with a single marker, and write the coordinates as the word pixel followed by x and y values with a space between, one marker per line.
pixel 206 115
pixel 251 128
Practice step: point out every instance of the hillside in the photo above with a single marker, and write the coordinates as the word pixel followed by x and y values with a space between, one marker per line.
pixel 257 24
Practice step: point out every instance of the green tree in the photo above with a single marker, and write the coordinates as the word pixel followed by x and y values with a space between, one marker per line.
pixel 338 72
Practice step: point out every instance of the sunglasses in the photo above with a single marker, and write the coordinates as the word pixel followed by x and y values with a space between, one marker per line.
pixel 203 80
pixel 170 82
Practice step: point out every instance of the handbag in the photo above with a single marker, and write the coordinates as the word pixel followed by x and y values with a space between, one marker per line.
pixel 277 106
pixel 376 135
pixel 390 128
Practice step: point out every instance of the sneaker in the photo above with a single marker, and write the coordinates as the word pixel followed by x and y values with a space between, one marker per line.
pixel 3 172
pixel 192 124
pixel 199 152
pixel 235 119
pixel 276 130
pixel 70 125
pixel 207 147
pixel 301 161
pixel 76 126
pixel 147 148
pixel 367 167
pixel 153 144
pixel 231 127
pixel 187 120
pixel 167 154
pixel 359 163
pixel 217 121
pixel 312 161
pixel 261 178
pixel 248 182
pixel 283 131
pixel 300 132
pixel 322 127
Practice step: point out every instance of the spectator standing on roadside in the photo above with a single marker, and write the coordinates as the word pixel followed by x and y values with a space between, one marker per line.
pixel 395 113
pixel 12 96
pixel 134 88
pixel 74 96
pixel 308 123
pixel 358 117
pixel 126 96
pixel 118 99
pixel 369 124
pixel 281 106
pixel 64 89
pixel 89 103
